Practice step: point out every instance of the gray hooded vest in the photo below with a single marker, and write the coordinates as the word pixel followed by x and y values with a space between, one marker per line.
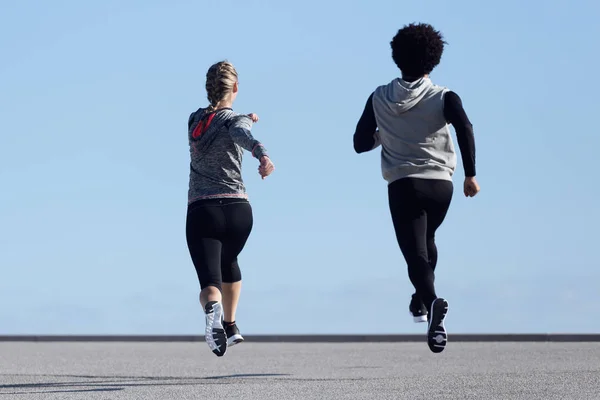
pixel 412 130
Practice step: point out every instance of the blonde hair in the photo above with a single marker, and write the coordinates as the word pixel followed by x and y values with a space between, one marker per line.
pixel 220 79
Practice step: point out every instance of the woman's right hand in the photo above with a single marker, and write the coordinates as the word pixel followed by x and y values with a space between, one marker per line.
pixel 266 167
pixel 471 187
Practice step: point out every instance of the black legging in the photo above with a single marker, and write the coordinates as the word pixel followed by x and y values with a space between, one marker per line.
pixel 418 208
pixel 216 232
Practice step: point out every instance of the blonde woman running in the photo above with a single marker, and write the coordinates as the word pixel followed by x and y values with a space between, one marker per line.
pixel 219 216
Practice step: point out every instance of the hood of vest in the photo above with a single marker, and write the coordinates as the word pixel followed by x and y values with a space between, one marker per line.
pixel 400 96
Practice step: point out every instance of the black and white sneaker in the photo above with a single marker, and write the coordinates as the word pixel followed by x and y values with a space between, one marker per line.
pixel 215 333
pixel 437 338
pixel 233 334
pixel 417 309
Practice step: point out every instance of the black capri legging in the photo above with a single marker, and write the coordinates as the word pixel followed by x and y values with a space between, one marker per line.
pixel 216 232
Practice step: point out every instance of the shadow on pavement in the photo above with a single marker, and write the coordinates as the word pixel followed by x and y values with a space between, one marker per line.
pixel 91 383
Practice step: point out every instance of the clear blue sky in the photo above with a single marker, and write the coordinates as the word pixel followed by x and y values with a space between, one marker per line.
pixel 94 100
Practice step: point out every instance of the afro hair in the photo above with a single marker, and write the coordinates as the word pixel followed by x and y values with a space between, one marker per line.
pixel 417 49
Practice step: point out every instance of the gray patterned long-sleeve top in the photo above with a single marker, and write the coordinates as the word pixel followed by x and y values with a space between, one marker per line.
pixel 217 142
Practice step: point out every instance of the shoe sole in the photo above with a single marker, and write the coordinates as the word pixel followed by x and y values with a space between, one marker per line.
pixel 215 333
pixel 235 339
pixel 418 319
pixel 437 337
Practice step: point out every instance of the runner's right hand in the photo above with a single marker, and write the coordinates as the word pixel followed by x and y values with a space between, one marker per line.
pixel 266 167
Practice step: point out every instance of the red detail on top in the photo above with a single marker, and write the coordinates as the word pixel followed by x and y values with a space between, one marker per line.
pixel 202 126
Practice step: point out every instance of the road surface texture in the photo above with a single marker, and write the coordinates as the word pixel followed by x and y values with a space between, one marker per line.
pixel 264 371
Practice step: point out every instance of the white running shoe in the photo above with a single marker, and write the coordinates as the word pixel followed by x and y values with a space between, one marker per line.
pixel 215 334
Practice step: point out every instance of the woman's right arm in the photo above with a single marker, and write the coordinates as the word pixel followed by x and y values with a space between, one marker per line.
pixel 241 135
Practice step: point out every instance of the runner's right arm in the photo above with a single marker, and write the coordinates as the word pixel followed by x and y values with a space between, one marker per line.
pixel 366 136
pixel 241 135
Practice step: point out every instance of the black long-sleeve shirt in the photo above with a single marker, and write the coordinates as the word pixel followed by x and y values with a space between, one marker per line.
pixel 454 113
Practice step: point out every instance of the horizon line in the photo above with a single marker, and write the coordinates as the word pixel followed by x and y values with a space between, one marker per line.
pixel 314 338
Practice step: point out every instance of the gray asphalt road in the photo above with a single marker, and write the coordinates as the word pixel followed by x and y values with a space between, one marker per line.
pixel 299 371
